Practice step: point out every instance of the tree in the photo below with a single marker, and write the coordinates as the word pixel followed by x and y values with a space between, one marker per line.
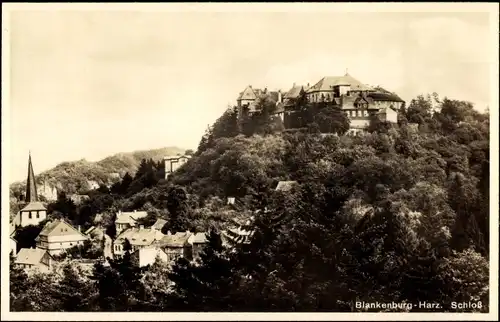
pixel 74 293
pixel 332 120
pixel 205 286
pixel 177 205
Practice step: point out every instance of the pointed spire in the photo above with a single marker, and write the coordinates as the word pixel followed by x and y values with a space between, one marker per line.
pixel 346 73
pixel 31 194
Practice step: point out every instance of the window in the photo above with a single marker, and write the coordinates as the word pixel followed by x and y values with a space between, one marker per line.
pixel 366 113
pixel 29 215
pixel 37 214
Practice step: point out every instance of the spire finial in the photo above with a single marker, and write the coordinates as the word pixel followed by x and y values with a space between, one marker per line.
pixel 346 70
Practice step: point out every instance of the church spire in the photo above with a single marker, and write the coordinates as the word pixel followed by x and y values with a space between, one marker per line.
pixel 31 194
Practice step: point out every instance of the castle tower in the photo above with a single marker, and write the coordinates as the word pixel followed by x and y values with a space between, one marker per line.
pixel 34 212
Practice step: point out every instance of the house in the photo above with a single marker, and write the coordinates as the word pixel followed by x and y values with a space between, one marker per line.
pixel 172 163
pixel 138 237
pixel 176 245
pixel 125 220
pixel 158 225
pixel 249 96
pixel 358 101
pixel 286 186
pixel 34 259
pixel 58 235
pixel 34 212
pixel 235 235
pixel 148 255
pixel 95 232
pixel 197 242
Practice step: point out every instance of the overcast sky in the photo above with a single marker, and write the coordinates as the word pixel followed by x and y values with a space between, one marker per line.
pixel 90 84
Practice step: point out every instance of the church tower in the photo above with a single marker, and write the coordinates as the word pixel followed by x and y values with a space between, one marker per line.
pixel 31 194
pixel 34 212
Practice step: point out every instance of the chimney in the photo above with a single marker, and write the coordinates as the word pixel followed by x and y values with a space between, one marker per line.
pixel 79 228
pixel 141 227
pixel 169 233
pixel 134 210
pixel 308 85
pixel 279 96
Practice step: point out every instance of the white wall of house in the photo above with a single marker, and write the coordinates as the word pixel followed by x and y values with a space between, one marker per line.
pixel 13 246
pixel 57 244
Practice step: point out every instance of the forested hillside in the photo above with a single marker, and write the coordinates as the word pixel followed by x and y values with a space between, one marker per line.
pixel 400 214
pixel 74 177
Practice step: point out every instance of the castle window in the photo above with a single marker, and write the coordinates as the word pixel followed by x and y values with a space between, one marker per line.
pixel 365 113
pixel 37 214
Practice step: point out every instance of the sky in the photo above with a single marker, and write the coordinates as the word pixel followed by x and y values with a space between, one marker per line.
pixel 89 84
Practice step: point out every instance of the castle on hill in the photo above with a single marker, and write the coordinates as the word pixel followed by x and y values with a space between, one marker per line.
pixel 358 101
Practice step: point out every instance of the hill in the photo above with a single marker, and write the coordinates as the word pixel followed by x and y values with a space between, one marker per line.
pixel 82 175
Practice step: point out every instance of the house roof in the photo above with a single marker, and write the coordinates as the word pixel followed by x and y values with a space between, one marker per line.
pixel 198 238
pixel 295 91
pixel 140 237
pixel 327 82
pixel 285 185
pixel 59 227
pixel 159 224
pixel 129 217
pixel 175 240
pixel 30 256
pixel 34 206
pixel 248 94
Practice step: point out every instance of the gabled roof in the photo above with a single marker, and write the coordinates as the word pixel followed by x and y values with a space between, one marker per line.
pixel 59 227
pixel 198 238
pixel 30 256
pixel 248 94
pixel 327 82
pixel 129 217
pixel 140 237
pixel 34 206
pixel 174 241
pixel 295 91
pixel 158 225
pixel 285 185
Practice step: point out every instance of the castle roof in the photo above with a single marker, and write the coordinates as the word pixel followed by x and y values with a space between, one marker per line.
pixel 380 96
pixel 327 82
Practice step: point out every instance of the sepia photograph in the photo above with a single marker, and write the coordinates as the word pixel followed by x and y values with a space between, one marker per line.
pixel 226 161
